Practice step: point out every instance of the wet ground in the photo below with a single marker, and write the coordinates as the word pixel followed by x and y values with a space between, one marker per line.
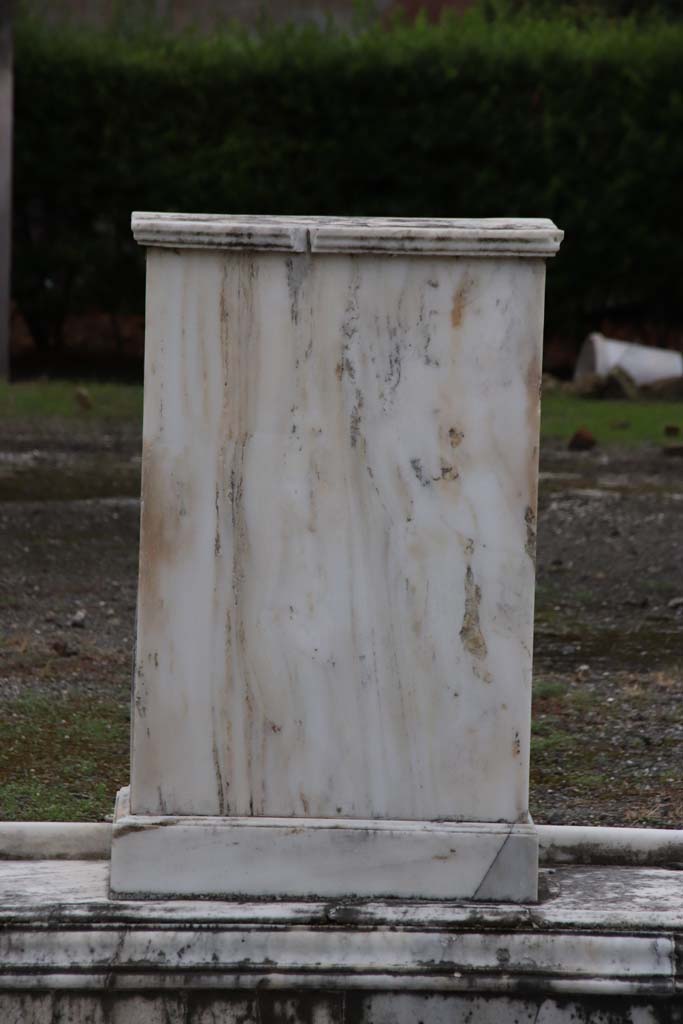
pixel 608 693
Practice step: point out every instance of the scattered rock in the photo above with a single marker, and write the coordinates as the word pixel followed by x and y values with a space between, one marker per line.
pixel 672 430
pixel 642 602
pixel 675 602
pixel 582 441
pixel 78 620
pixel 63 649
pixel 582 672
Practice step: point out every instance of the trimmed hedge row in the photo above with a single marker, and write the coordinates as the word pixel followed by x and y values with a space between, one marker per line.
pixel 472 117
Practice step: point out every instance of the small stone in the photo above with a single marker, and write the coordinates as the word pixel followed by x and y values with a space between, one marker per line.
pixel 78 620
pixel 63 649
pixel 582 672
pixel 582 441
pixel 83 399
pixel 673 449
pixel 676 602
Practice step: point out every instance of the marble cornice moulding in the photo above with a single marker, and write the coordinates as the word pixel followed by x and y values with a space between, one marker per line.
pixel 535 238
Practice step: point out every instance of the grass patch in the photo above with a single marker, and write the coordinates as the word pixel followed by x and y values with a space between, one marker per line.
pixel 610 421
pixel 60 399
pixel 554 742
pixel 62 758
pixel 609 752
pixel 544 688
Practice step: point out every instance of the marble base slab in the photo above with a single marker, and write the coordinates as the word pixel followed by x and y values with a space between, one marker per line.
pixel 602 945
pixel 323 1008
pixel 186 856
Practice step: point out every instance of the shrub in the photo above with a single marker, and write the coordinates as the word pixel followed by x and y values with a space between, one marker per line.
pixel 476 116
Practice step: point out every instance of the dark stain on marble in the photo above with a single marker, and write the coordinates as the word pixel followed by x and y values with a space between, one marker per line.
pixel 470 631
pixel 530 521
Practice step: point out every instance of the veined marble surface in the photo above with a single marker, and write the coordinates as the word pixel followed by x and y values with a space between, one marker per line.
pixel 338 525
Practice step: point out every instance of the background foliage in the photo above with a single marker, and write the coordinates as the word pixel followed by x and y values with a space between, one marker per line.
pixel 495 113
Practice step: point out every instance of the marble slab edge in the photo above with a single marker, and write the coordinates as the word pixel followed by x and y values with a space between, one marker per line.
pixel 618 901
pixel 59 930
pixel 186 857
pixel 206 954
pixel 558 844
pixel 305 958
pixel 59 840
pixel 504 237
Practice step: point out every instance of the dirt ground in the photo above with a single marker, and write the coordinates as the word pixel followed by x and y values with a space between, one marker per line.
pixel 608 691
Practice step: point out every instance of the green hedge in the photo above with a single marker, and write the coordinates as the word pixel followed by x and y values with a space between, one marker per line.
pixel 582 123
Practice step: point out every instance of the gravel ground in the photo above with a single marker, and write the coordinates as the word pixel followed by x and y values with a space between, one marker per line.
pixel 608 697
pixel 608 707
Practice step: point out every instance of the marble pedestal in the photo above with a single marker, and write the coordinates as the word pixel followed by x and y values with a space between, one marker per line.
pixel 333 669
